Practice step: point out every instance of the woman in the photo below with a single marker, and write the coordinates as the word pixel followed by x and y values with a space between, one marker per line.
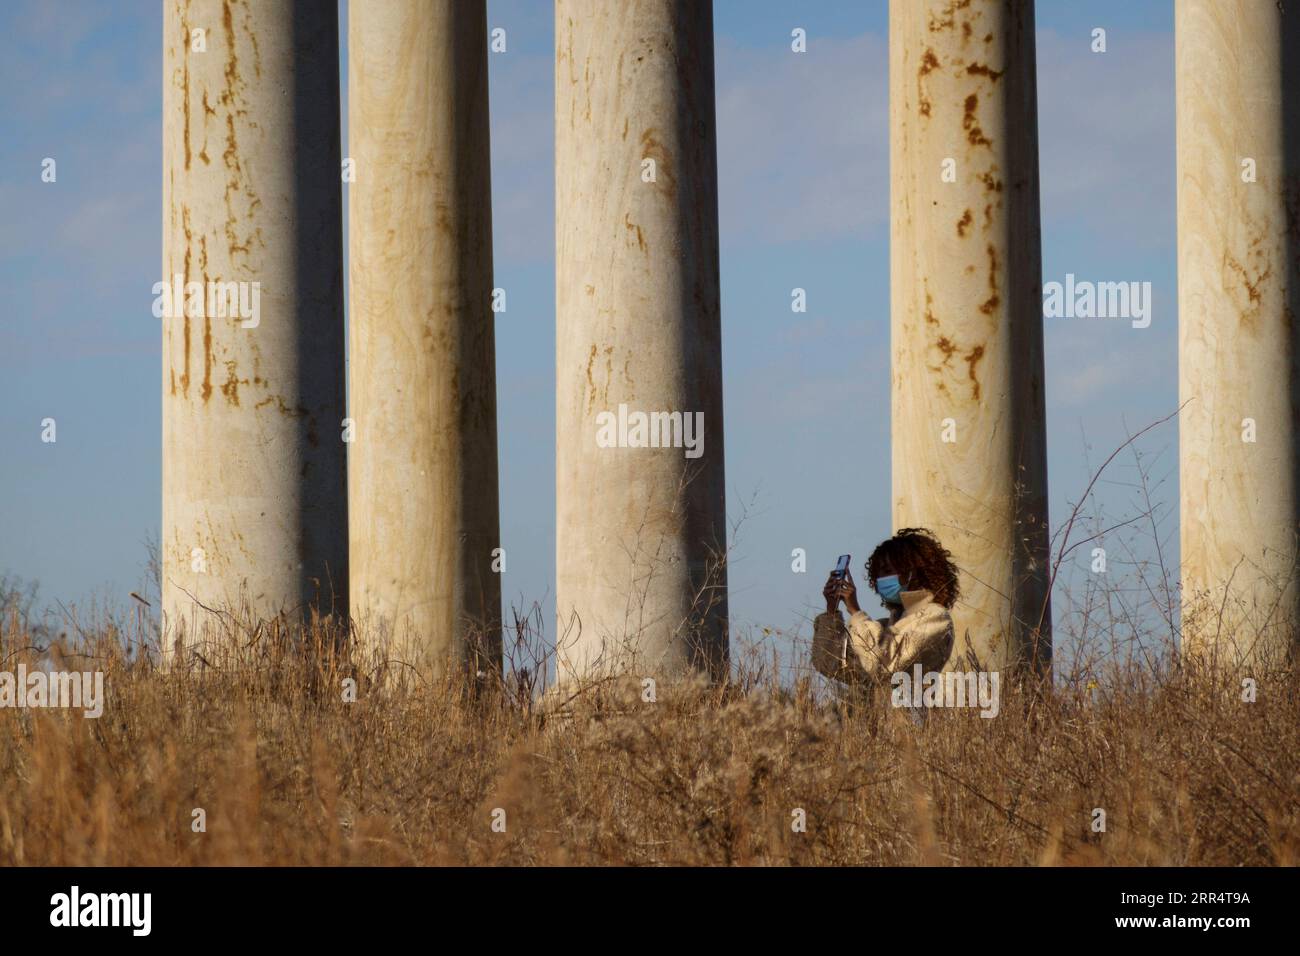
pixel 917 581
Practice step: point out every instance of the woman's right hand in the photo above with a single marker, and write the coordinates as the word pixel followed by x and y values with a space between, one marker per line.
pixel 832 593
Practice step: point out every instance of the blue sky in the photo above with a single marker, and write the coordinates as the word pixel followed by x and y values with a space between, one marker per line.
pixel 804 196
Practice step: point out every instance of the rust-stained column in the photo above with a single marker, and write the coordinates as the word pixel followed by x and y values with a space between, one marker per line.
pixel 969 444
pixel 1238 101
pixel 640 508
pixel 423 461
pixel 254 486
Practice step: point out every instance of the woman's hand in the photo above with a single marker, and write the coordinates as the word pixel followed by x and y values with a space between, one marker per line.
pixel 841 589
pixel 832 593
pixel 849 592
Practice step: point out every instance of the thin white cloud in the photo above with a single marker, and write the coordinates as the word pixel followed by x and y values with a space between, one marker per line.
pixel 1100 362
pixel 1106 138
pixel 803 147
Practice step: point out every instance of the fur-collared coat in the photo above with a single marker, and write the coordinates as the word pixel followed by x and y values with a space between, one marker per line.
pixel 868 651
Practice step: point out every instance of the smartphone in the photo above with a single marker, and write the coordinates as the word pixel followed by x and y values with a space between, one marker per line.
pixel 842 566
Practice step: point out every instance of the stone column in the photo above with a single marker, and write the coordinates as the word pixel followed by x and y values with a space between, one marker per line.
pixel 254 483
pixel 1238 97
pixel 641 528
pixel 969 444
pixel 423 461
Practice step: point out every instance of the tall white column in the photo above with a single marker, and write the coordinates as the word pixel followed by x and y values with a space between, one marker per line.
pixel 969 445
pixel 423 462
pixel 1238 101
pixel 641 531
pixel 254 484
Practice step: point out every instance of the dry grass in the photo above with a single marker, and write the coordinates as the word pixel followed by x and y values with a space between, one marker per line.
pixel 289 773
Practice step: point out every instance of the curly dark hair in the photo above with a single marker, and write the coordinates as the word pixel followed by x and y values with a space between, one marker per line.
pixel 917 555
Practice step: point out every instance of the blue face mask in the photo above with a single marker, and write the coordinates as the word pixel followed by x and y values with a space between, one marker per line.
pixel 889 588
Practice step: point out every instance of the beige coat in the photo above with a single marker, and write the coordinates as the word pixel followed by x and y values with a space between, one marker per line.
pixel 870 652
